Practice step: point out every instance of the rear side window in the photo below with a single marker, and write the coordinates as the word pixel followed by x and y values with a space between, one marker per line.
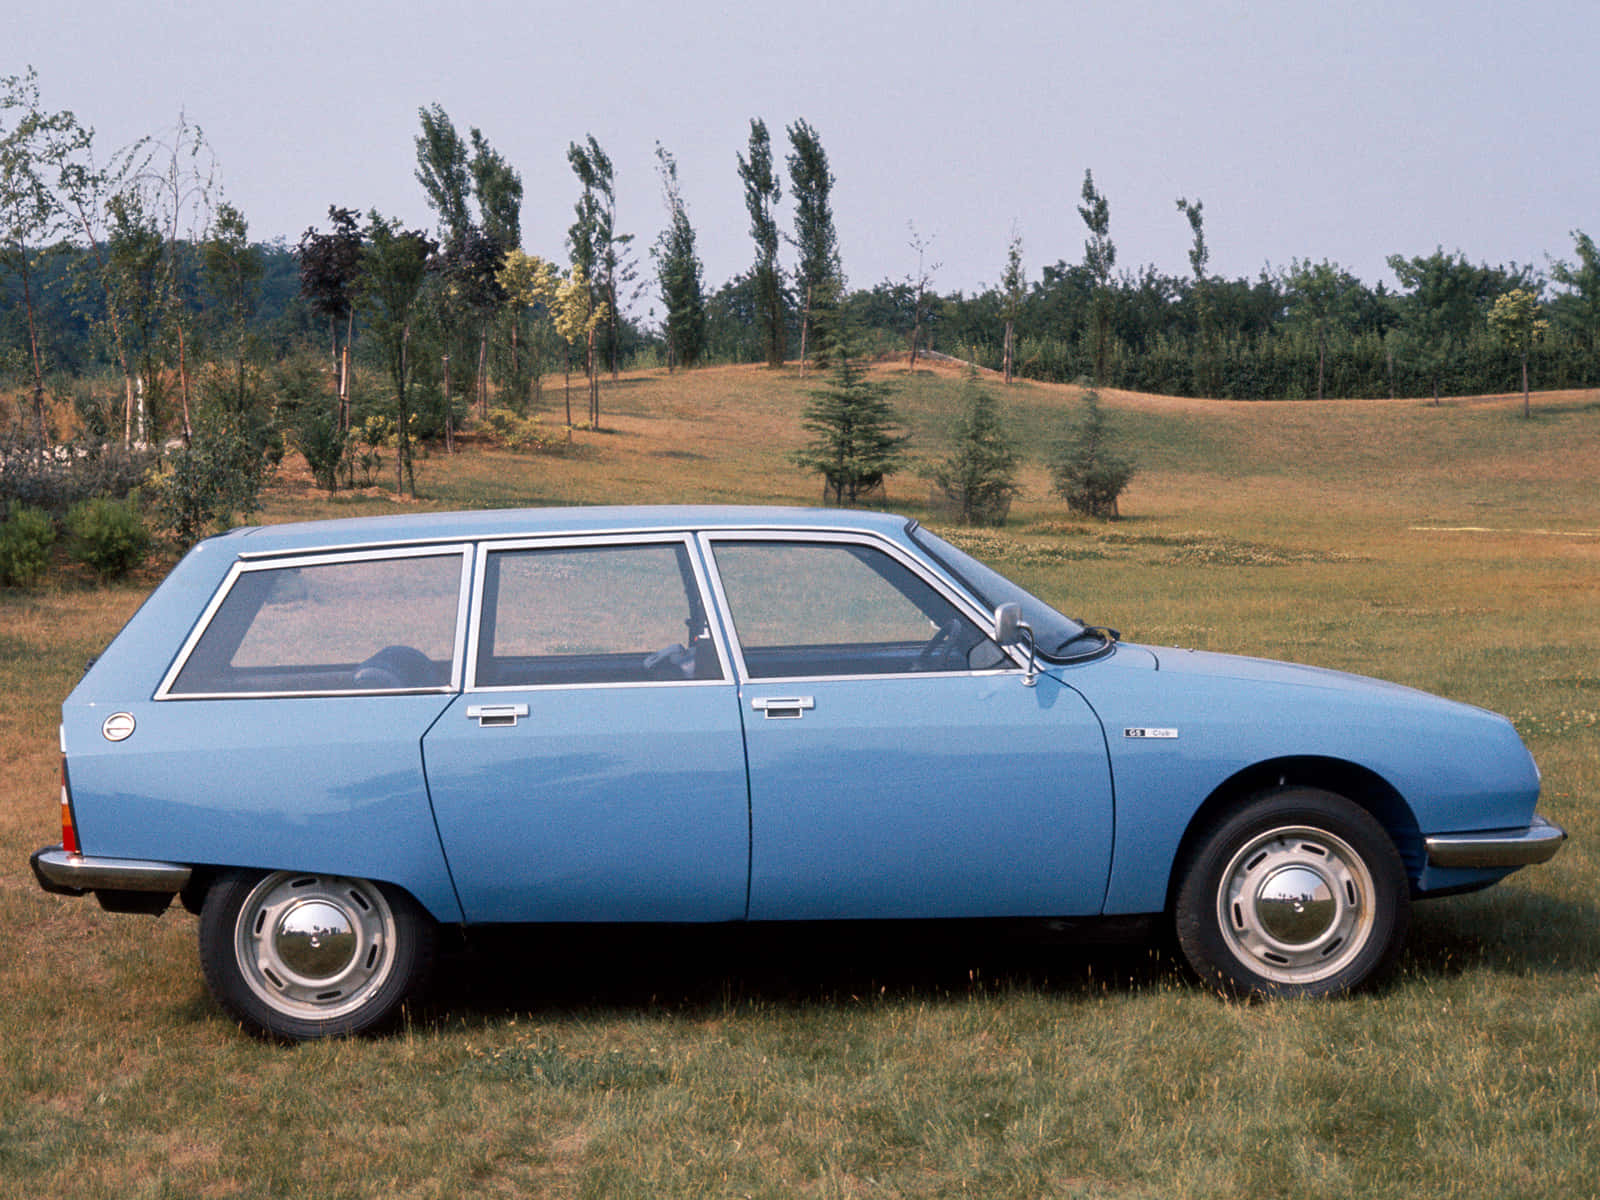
pixel 369 624
pixel 593 614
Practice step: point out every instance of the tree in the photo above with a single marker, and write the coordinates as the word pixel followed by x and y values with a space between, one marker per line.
pixel 1087 471
pixel 394 267
pixel 1517 325
pixel 1204 315
pixel 529 283
pixel 920 287
pixel 819 279
pixel 597 247
pixel 1013 291
pixel 577 319
pixel 442 170
pixel 1319 295
pixel 1583 277
pixel 497 187
pixel 1448 296
pixel 330 264
pixel 232 269
pixel 762 191
pixel 679 272
pixel 37 146
pixel 856 441
pixel 1099 256
pixel 979 476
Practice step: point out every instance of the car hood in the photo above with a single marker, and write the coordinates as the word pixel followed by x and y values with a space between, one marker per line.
pixel 1173 661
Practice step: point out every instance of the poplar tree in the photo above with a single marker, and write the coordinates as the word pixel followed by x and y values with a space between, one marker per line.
pixel 597 247
pixel 1013 291
pixel 819 279
pixel 1199 255
pixel 679 271
pixel 762 191
pixel 1099 256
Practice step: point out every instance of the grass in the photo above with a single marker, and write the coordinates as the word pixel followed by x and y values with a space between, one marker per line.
pixel 1454 548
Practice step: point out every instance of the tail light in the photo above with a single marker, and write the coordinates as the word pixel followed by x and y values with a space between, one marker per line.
pixel 69 830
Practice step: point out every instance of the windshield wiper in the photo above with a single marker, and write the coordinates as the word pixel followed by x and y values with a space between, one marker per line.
pixel 1107 639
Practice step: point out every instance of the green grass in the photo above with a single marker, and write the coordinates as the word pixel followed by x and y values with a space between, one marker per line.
pixel 1334 534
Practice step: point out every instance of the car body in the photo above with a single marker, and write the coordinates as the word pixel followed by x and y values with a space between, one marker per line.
pixel 332 739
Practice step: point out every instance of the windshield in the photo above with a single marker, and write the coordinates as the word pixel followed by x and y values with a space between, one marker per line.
pixel 1052 632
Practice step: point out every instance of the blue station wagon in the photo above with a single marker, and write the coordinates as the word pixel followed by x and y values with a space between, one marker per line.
pixel 331 740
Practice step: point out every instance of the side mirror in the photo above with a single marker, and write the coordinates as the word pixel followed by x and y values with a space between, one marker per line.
pixel 1008 624
pixel 1011 630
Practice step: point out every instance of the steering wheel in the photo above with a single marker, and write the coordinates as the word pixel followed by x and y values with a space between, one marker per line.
pixel 938 646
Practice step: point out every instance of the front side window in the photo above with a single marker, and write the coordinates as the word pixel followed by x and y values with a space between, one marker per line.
pixel 835 608
pixel 593 614
pixel 370 624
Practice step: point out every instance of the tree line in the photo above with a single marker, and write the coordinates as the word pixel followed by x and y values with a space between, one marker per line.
pixel 133 263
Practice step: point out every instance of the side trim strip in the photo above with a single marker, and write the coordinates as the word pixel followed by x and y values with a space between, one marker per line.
pixel 1503 848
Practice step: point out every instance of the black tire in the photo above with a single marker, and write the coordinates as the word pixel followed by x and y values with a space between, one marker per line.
pixel 1300 892
pixel 298 956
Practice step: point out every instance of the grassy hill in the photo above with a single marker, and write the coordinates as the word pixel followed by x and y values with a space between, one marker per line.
pixel 1456 548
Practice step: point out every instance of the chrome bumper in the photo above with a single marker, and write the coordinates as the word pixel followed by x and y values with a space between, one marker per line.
pixel 74 874
pixel 1500 848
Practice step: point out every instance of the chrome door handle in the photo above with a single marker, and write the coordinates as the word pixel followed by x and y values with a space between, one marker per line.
pixel 496 715
pixel 787 708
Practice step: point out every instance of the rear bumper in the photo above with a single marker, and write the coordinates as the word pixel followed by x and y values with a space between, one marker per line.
pixel 74 874
pixel 1499 848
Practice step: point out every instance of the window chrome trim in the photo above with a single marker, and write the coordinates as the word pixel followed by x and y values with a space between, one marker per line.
pixel 241 567
pixel 984 621
pixel 684 538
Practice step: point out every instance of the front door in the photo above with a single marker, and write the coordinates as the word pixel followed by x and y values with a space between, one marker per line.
pixel 899 766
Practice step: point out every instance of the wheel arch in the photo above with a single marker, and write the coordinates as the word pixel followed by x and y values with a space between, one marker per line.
pixel 1354 782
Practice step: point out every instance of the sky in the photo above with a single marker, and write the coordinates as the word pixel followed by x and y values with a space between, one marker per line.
pixel 1341 131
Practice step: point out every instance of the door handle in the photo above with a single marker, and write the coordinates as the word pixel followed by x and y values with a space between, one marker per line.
pixel 787 708
pixel 491 716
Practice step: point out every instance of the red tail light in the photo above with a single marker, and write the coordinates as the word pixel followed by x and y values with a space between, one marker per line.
pixel 69 831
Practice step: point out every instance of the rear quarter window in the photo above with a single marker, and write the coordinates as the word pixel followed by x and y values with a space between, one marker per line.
pixel 362 624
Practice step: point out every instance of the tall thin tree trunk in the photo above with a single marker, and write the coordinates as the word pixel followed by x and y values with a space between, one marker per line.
pixel 805 327
pixel 183 387
pixel 1527 406
pixel 33 347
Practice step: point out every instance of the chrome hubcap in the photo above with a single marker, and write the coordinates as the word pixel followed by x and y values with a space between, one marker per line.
pixel 314 946
pixel 1296 904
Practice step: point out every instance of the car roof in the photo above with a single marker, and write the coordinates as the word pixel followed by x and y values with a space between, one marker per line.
pixel 413 528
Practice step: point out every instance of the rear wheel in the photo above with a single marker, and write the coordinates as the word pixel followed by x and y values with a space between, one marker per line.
pixel 1298 893
pixel 298 955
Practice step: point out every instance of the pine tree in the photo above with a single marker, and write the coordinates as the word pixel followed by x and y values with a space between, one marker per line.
pixel 1087 471
pixel 979 476
pixel 856 440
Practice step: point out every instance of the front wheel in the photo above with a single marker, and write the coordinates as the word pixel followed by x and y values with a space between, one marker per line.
pixel 298 955
pixel 1298 893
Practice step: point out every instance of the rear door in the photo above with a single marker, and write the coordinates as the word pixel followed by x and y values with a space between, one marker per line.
pixel 594 768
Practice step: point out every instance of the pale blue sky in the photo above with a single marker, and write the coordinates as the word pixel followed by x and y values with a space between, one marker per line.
pixel 1346 131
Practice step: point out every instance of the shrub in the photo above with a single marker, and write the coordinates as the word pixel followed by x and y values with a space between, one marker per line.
pixel 204 484
pixel 520 433
pixel 324 446
pixel 1087 471
pixel 25 540
pixel 108 535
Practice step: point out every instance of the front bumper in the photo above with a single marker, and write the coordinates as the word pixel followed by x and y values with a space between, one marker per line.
pixel 74 874
pixel 1498 848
